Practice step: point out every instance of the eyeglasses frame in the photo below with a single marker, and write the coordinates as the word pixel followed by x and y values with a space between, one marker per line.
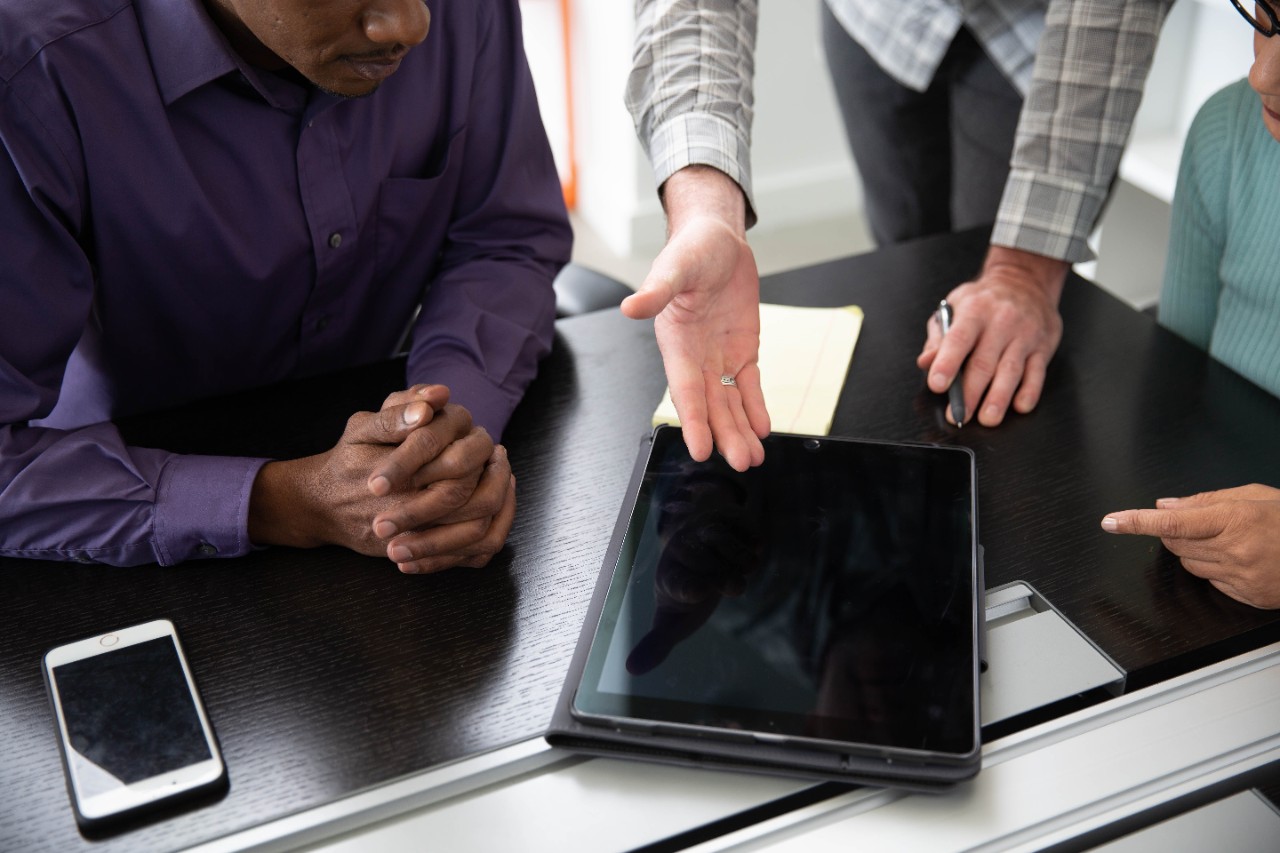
pixel 1271 13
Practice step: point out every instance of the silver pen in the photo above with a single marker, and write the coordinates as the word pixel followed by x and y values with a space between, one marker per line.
pixel 956 392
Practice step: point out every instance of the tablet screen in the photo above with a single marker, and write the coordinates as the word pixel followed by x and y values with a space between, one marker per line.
pixel 827 595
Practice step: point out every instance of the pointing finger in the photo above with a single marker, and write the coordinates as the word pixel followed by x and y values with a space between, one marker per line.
pixel 1165 523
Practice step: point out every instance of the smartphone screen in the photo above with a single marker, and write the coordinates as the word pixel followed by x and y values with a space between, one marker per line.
pixel 132 727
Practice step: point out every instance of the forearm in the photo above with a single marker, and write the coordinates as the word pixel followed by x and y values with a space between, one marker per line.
pixel 482 332
pixel 279 512
pixel 690 96
pixel 85 496
pixel 703 191
pixel 1048 274
pixel 489 314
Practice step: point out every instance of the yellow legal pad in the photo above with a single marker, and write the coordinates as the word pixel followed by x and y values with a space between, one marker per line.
pixel 804 358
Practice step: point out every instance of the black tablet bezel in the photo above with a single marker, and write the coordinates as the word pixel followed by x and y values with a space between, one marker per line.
pixel 658 716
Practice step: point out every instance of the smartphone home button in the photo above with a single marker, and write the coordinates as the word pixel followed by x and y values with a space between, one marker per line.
pixel 109 640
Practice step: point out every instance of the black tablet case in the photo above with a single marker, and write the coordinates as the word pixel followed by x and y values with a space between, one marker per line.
pixel 720 753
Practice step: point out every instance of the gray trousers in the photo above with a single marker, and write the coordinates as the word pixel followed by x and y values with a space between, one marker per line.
pixel 932 161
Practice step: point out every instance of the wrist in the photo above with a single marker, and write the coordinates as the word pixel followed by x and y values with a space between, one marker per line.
pixel 703 191
pixel 1048 274
pixel 277 511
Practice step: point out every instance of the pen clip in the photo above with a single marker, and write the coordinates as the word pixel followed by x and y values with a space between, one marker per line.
pixel 944 316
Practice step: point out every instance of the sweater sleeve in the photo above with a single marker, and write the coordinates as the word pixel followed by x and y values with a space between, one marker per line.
pixel 1197 234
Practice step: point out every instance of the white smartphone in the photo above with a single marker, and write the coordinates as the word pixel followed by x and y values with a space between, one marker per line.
pixel 132 728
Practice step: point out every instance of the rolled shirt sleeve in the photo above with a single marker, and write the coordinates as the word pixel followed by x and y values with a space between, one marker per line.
pixel 690 95
pixel 1091 65
pixel 690 88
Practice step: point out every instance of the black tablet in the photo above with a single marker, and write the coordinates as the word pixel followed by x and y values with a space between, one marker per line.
pixel 817 615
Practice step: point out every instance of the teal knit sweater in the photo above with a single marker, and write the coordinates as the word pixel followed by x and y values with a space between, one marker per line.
pixel 1222 278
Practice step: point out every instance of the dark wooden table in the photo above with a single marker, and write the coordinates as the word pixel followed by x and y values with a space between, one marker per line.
pixel 326 673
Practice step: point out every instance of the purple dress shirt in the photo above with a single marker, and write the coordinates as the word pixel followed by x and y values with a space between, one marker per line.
pixel 176 224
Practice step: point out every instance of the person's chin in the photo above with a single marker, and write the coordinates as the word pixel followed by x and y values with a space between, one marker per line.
pixel 352 80
pixel 348 92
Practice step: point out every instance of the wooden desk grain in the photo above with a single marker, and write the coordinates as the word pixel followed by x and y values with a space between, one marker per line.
pixel 1130 413
pixel 326 673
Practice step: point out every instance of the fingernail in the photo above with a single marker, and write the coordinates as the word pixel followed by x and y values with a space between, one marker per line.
pixel 1164 502
pixel 384 529
pixel 992 412
pixel 380 485
pixel 400 554
pixel 1110 524
pixel 412 414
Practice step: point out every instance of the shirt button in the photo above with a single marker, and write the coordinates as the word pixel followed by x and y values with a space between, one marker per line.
pixel 207 550
pixel 322 323
pixel 335 240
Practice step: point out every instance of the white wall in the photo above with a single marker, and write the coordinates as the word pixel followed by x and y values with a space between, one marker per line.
pixel 614 180
pixel 1204 46
pixel 801 166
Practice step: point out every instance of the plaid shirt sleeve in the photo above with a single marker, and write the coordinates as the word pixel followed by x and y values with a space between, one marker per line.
pixel 1090 68
pixel 689 91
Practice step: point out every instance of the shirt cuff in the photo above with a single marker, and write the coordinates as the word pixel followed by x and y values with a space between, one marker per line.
pixel 702 139
pixel 202 507
pixel 490 404
pixel 1048 215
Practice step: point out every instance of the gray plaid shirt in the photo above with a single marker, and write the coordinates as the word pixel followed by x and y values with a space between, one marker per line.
pixel 690 91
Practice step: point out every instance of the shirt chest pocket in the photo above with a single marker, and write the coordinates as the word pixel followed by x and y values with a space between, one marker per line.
pixel 414 215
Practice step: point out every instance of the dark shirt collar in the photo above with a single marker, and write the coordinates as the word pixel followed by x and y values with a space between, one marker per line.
pixel 188 51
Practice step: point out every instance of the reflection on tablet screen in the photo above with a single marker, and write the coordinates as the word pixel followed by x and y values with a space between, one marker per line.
pixel 827 594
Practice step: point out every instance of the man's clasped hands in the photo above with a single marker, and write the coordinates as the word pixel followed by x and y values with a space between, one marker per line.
pixel 415 482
